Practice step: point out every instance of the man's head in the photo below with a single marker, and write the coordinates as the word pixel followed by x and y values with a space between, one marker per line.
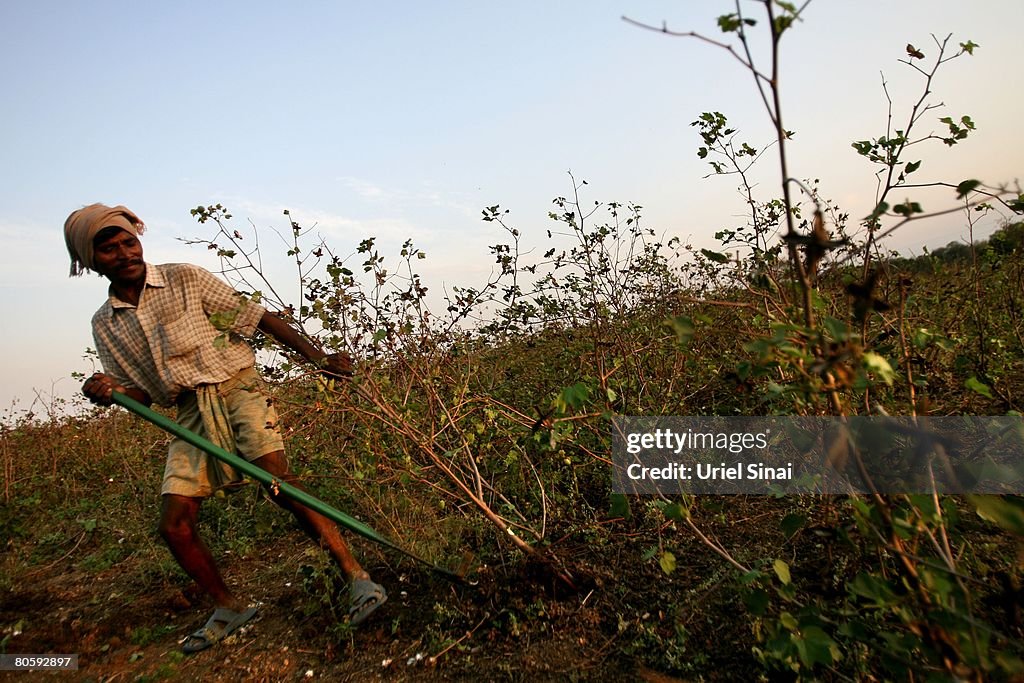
pixel 89 225
pixel 117 256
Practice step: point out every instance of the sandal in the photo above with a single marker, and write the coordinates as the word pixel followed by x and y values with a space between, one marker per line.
pixel 367 596
pixel 220 625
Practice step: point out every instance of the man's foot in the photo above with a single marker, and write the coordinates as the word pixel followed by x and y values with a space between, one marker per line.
pixel 367 596
pixel 220 625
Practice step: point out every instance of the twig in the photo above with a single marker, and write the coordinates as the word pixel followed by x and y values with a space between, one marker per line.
pixel 693 34
pixel 467 634
pixel 81 537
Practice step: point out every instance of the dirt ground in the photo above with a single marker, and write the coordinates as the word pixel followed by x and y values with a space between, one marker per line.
pixel 517 623
pixel 625 620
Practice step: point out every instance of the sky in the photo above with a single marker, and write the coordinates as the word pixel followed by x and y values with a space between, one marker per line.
pixel 405 119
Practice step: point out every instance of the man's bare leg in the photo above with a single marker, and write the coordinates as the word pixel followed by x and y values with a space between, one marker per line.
pixel 178 517
pixel 319 528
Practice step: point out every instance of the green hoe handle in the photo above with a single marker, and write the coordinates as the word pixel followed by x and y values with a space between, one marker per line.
pixel 270 480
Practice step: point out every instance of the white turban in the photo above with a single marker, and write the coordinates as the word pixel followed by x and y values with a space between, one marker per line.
pixel 82 226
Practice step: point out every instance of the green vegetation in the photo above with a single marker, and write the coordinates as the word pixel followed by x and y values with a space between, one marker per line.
pixel 484 428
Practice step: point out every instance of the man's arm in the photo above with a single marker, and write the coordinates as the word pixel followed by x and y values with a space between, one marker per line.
pixel 338 364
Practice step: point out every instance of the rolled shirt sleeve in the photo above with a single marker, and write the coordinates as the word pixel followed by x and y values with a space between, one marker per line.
pixel 241 314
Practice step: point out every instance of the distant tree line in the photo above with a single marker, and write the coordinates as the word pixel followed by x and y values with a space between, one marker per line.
pixel 1004 241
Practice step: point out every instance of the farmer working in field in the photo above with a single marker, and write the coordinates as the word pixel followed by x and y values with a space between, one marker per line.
pixel 157 343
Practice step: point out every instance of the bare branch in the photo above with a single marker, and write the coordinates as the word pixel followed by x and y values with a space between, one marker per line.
pixel 693 34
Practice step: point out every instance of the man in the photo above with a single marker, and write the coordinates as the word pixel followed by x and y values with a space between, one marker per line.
pixel 173 334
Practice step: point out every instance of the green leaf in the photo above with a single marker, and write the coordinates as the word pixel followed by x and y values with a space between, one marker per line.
pixel 715 256
pixel 676 512
pixel 619 507
pixel 792 523
pixel 1009 663
pixel 729 23
pixel 1016 205
pixel 782 23
pixel 879 210
pixel 966 187
pixel 863 147
pixel 573 397
pixel 789 621
pixel 969 46
pixel 819 647
pixel 756 601
pixel 873 588
pixel 837 329
pixel 907 208
pixel 878 365
pixel 913 166
pixel 978 387
pixel 1006 511
pixel 782 571
pixel 750 577
pixel 223 320
pixel 683 328
pixel 667 562
pixel 922 338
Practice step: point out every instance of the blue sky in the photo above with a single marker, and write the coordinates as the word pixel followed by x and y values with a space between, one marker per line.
pixel 405 119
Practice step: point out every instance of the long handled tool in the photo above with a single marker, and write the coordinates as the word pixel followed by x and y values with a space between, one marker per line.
pixel 264 477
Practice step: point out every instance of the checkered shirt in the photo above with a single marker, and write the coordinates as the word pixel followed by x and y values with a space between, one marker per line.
pixel 186 331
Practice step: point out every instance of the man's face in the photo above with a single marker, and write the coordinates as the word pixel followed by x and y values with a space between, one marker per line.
pixel 118 257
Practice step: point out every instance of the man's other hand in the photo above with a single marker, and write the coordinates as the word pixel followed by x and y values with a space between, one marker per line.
pixel 336 365
pixel 100 389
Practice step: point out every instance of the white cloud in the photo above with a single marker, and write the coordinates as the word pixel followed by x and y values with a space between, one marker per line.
pixel 364 188
pixel 268 216
pixel 410 200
